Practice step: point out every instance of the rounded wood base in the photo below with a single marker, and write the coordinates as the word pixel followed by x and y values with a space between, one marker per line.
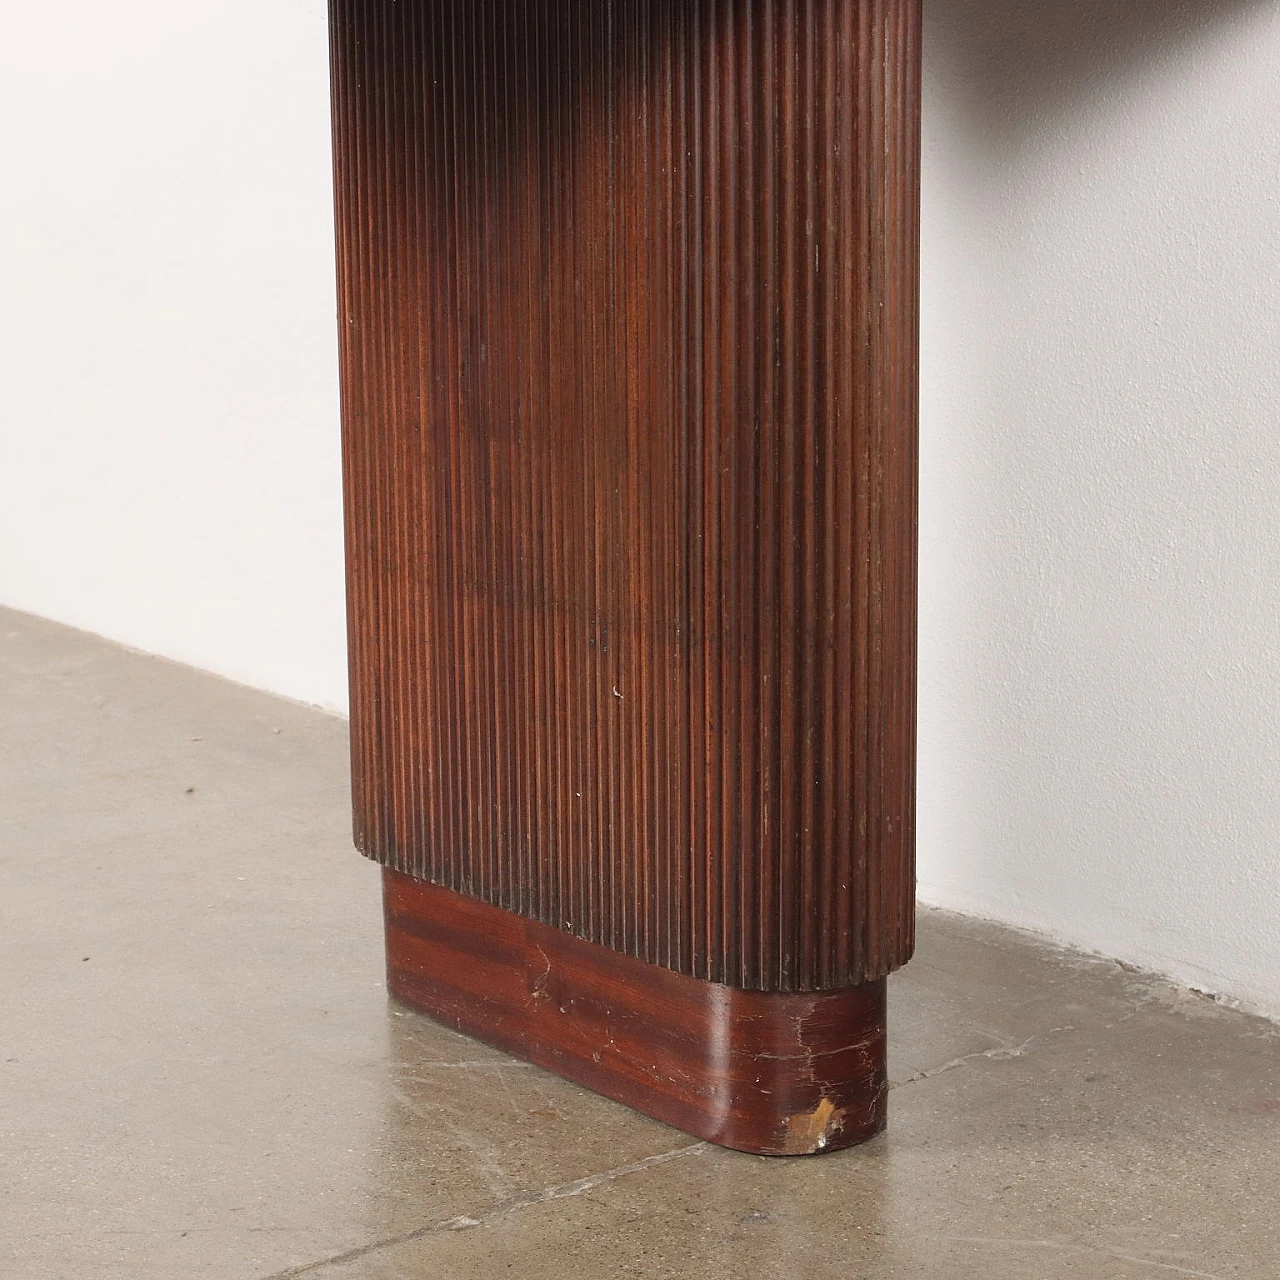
pixel 770 1073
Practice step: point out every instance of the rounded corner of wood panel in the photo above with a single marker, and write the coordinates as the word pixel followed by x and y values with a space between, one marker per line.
pixel 769 1073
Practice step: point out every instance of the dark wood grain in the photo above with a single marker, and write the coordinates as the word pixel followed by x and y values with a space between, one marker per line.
pixel 628 300
pixel 773 1073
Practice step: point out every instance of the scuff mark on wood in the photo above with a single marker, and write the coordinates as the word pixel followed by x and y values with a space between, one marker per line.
pixel 808 1132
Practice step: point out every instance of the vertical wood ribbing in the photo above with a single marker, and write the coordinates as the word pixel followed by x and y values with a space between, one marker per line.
pixel 628 315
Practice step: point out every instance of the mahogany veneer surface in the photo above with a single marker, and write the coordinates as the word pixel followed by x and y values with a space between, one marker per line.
pixel 771 1073
pixel 628 327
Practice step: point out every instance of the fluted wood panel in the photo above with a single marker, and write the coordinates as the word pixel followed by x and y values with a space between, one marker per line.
pixel 628 307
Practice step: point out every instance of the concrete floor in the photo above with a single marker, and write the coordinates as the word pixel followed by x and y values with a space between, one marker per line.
pixel 200 1076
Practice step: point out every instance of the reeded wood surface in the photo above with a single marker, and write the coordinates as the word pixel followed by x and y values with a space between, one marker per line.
pixel 628 313
pixel 774 1073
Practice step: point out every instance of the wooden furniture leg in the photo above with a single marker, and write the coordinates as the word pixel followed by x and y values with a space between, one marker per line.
pixel 628 313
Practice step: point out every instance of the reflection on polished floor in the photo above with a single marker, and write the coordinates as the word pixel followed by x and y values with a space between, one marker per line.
pixel 200 1076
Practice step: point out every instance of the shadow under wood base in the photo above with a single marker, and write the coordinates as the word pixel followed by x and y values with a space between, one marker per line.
pixel 771 1073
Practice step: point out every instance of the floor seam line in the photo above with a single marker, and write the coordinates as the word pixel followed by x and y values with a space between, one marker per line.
pixel 1001 1053
pixel 1077 1246
pixel 514 1204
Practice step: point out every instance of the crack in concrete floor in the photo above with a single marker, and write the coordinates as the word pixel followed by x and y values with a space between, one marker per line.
pixel 566 1190
pixel 1076 1247
pixel 503 1208
pixel 1000 1053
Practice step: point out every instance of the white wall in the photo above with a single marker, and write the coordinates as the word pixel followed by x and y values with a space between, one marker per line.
pixel 1100 673
pixel 169 468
